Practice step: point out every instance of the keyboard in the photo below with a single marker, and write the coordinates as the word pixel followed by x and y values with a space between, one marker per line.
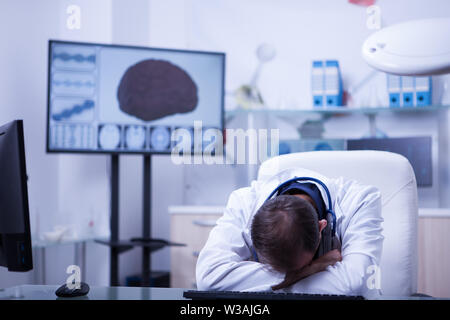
pixel 263 295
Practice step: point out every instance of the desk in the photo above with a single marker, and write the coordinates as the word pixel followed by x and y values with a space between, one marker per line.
pixel 42 292
pixel 46 292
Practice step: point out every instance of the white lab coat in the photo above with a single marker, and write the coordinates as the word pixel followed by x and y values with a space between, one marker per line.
pixel 226 261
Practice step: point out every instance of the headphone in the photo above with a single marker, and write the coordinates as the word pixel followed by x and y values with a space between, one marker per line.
pixel 277 190
pixel 329 210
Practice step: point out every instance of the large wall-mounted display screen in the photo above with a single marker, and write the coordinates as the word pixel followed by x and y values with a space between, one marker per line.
pixel 123 99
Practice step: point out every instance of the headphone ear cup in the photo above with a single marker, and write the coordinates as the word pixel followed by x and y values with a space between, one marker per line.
pixel 326 241
pixel 331 219
pixel 319 251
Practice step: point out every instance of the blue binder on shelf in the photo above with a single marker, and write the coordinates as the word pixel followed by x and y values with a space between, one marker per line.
pixel 326 83
pixel 423 91
pixel 318 83
pixel 394 84
pixel 407 97
pixel 409 91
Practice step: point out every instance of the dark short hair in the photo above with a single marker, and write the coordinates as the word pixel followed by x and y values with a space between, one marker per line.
pixel 283 227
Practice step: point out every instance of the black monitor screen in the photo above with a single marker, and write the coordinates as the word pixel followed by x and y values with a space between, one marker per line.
pixel 12 185
pixel 416 149
pixel 15 238
pixel 110 98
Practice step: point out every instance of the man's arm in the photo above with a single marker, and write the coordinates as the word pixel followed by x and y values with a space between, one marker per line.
pixel 360 228
pixel 223 263
pixel 317 265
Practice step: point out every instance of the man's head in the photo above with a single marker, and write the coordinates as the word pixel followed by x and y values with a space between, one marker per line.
pixel 286 232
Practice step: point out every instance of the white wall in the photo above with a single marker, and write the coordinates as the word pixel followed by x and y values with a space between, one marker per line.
pixel 301 31
pixel 62 189
pixel 23 89
pixel 83 192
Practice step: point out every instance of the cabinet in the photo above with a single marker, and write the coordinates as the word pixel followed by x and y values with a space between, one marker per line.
pixel 434 255
pixel 189 225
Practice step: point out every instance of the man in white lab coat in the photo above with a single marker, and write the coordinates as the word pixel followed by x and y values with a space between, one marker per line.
pixel 230 261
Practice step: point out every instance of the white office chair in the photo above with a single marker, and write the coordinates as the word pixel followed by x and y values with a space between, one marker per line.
pixel 393 175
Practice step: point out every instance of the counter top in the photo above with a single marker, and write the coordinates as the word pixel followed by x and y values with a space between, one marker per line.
pixel 180 209
pixel 196 209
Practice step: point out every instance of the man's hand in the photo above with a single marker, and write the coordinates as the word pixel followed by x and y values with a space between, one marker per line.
pixel 318 265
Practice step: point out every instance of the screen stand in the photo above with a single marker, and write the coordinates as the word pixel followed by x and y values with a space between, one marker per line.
pixel 114 223
pixel 148 244
pixel 146 220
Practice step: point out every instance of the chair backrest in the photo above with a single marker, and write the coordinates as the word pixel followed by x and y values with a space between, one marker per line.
pixel 393 175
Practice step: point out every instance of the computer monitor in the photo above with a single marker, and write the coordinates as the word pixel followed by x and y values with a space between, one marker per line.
pixel 305 145
pixel 416 149
pixel 128 99
pixel 15 238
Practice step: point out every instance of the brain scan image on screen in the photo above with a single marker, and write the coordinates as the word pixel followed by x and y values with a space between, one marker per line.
pixel 109 137
pixel 111 98
pixel 152 89
pixel 135 137
pixel 160 138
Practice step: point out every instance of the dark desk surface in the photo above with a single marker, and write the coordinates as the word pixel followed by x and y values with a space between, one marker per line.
pixel 44 292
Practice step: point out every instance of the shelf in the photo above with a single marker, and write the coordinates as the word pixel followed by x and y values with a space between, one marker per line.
pixel 434 213
pixel 125 245
pixel 335 110
pixel 196 210
pixel 41 243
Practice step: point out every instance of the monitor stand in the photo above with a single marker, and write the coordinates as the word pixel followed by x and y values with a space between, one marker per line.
pixel 146 220
pixel 148 244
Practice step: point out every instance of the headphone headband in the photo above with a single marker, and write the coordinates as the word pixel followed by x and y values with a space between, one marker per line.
pixel 329 210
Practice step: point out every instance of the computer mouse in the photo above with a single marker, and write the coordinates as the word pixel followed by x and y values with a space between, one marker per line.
pixel 65 292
